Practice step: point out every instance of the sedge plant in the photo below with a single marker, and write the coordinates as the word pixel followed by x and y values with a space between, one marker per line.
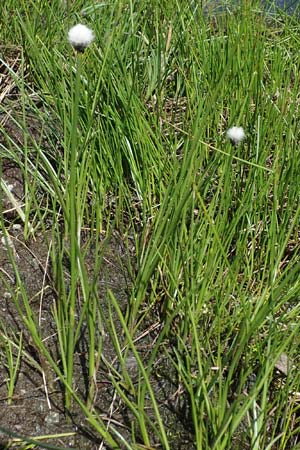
pixel 177 132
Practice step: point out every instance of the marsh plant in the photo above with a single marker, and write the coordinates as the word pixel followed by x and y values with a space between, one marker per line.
pixel 80 37
pixel 161 139
pixel 236 134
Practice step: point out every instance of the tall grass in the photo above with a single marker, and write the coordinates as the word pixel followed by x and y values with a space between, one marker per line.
pixel 141 118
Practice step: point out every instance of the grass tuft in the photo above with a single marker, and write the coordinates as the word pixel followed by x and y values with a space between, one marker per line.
pixel 167 313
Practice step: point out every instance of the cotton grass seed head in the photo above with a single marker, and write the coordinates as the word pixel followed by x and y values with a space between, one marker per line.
pixel 236 135
pixel 80 37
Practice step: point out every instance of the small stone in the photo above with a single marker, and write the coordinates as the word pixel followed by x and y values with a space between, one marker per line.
pixel 10 187
pixel 131 365
pixel 283 364
pixel 17 226
pixel 7 241
pixel 40 407
pixel 35 264
pixel 52 418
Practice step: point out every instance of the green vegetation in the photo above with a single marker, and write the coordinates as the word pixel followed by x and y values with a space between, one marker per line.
pixel 128 139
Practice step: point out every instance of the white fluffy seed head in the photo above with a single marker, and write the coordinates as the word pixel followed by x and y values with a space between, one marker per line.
pixel 80 36
pixel 236 134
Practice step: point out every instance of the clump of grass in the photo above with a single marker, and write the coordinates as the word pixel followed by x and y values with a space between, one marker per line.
pixel 11 361
pixel 214 226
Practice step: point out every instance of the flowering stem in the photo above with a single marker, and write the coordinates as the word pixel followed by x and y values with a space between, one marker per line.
pixel 74 233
